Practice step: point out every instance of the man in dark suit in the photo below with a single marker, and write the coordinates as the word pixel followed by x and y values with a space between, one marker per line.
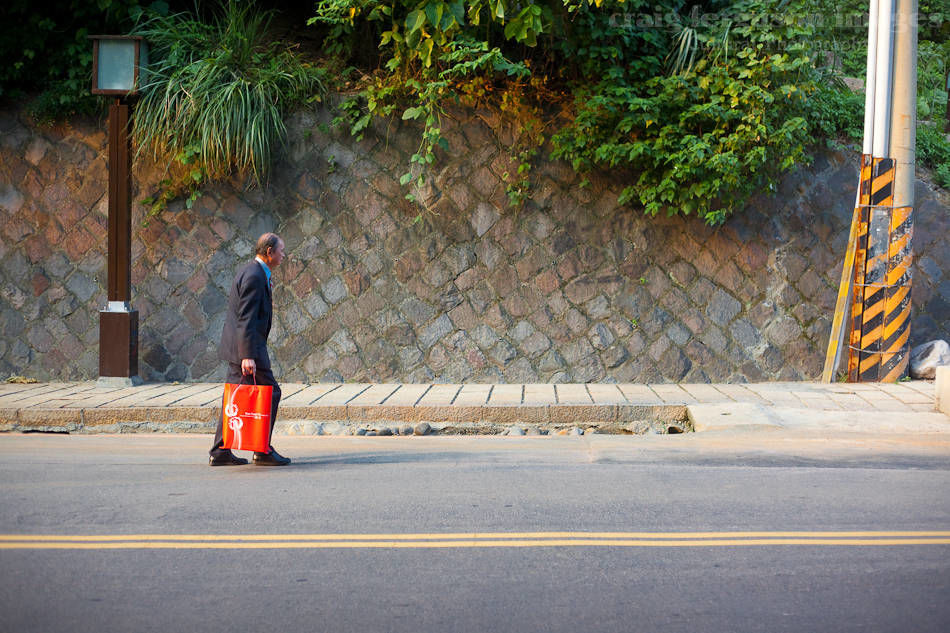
pixel 244 341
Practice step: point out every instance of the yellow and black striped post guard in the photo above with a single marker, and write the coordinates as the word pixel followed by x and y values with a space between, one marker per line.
pixel 879 327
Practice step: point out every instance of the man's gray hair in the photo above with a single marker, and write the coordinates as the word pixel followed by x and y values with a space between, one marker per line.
pixel 265 241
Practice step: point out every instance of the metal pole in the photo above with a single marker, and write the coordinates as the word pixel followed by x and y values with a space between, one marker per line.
pixel 118 323
pixel 903 136
pixel 870 75
pixel 120 208
pixel 848 295
pixel 903 128
pixel 883 74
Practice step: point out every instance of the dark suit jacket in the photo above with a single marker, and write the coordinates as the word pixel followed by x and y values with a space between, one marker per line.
pixel 248 320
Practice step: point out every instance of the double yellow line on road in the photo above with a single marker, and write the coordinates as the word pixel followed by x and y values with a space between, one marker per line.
pixel 469 540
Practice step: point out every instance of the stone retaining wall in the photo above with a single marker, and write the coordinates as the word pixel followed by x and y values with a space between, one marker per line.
pixel 571 288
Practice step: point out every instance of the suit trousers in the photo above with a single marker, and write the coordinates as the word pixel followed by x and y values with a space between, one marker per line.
pixel 262 377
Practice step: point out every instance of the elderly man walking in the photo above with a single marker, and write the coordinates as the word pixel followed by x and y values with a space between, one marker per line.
pixel 244 341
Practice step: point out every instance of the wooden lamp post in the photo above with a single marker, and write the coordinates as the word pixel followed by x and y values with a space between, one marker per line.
pixel 116 64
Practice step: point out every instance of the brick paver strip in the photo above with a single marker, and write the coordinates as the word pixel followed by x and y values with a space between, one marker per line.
pixel 52 394
pixel 572 394
pixel 820 400
pixel 639 394
pixel 926 387
pixel 878 395
pixel 439 396
pixel 203 389
pixel 672 394
pixel 128 397
pixel 107 395
pixel 506 395
pixel 79 395
pixel 776 395
pixel 9 389
pixel 858 386
pixel 308 395
pixel 406 395
pixel 55 404
pixel 893 406
pixel 375 394
pixel 850 401
pixel 288 389
pixel 14 399
pixel 882 402
pixel 171 395
pixel 605 394
pixel 539 394
pixel 825 404
pixel 473 394
pixel 908 394
pixel 706 393
pixel 740 393
pixel 344 394
pixel 810 394
pixel 211 397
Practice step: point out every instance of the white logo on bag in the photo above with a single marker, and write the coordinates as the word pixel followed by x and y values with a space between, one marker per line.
pixel 235 423
pixel 231 410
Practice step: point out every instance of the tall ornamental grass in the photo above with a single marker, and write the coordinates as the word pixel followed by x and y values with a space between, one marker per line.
pixel 214 98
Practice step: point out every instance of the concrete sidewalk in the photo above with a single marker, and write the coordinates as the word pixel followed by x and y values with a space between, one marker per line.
pixel 355 408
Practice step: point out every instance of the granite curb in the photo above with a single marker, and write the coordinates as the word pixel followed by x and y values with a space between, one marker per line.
pixel 343 420
pixel 364 408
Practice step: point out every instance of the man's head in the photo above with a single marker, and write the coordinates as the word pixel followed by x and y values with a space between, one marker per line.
pixel 270 248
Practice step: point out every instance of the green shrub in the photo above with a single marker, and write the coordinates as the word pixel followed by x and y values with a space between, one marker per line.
pixel 704 115
pixel 933 150
pixel 835 112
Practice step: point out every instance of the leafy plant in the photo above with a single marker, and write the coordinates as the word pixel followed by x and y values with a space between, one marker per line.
pixel 835 111
pixel 933 149
pixel 213 103
pixel 701 115
pixel 706 137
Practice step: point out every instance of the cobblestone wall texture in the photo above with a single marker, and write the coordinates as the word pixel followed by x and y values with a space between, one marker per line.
pixel 569 288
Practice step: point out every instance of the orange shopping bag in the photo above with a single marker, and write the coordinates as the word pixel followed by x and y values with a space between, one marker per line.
pixel 246 411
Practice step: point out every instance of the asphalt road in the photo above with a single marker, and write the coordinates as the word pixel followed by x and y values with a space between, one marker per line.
pixel 462 535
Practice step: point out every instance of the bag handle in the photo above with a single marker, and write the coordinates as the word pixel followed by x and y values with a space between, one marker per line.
pixel 243 376
pixel 241 384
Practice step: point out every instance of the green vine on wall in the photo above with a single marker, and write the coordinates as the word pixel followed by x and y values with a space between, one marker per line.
pixel 697 104
pixel 700 139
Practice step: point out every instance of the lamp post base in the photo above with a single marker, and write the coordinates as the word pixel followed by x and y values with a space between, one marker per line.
pixel 116 382
pixel 119 349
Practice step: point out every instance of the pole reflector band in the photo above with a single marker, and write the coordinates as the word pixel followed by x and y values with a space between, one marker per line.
pixel 882 182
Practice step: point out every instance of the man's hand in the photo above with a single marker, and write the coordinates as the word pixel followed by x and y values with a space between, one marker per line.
pixel 248 367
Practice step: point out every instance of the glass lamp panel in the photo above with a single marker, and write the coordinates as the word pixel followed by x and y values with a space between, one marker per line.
pixel 143 64
pixel 116 65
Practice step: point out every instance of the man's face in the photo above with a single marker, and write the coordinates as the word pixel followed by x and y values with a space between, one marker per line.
pixel 276 255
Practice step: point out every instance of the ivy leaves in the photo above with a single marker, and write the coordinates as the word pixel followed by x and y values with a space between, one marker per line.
pixel 699 141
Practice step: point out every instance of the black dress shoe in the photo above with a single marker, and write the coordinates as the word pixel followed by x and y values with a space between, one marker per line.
pixel 273 458
pixel 226 458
